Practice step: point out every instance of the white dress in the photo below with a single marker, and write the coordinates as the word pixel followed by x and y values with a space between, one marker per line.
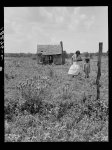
pixel 75 67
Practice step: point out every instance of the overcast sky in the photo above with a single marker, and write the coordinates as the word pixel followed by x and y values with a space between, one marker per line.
pixel 80 28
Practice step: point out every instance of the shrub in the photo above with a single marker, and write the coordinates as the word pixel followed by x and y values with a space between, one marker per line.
pixel 34 92
pixel 11 108
pixel 50 72
pixel 12 138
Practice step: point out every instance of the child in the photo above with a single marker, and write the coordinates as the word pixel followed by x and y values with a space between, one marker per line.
pixel 87 67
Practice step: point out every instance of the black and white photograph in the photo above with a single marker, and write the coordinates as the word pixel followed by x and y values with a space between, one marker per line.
pixel 56 74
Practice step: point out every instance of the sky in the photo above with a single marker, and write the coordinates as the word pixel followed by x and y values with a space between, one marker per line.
pixel 80 28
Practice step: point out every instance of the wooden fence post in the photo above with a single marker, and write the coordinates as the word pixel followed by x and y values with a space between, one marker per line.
pixel 99 70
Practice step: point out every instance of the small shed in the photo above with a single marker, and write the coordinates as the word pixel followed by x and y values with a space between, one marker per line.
pixel 48 54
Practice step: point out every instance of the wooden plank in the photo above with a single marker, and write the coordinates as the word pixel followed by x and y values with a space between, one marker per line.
pixel 63 59
pixel 99 70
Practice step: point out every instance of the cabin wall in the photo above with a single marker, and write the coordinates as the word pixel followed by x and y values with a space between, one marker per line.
pixel 39 59
pixel 45 59
pixel 57 59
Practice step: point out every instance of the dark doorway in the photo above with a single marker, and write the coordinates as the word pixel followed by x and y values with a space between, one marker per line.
pixel 50 59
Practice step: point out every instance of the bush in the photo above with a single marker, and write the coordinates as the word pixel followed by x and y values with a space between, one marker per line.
pixel 11 108
pixel 34 92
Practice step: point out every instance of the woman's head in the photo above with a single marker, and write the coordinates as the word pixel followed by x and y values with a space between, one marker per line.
pixel 77 52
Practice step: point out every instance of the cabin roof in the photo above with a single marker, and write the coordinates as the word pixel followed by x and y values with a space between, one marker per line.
pixel 49 49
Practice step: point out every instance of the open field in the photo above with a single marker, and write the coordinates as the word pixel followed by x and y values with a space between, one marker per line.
pixel 42 104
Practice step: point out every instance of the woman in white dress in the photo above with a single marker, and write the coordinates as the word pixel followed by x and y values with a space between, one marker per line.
pixel 75 67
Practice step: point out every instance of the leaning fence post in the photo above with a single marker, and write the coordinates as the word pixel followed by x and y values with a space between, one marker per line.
pixel 99 70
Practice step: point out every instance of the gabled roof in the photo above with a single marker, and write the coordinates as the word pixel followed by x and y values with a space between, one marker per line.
pixel 49 49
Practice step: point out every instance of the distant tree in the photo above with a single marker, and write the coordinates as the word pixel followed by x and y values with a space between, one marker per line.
pixel 86 54
pixel 70 55
pixel 65 54
pixel 91 56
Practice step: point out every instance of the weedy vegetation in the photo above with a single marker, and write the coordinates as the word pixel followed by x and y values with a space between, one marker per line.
pixel 43 105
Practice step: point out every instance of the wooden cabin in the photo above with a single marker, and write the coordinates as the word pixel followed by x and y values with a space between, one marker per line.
pixel 48 54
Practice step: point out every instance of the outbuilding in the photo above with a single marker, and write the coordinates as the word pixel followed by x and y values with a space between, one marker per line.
pixel 48 54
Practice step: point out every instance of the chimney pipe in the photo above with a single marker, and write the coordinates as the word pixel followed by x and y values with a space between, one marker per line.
pixel 61 43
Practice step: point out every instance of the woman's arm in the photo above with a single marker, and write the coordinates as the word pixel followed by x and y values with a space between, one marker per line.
pixel 73 59
pixel 84 67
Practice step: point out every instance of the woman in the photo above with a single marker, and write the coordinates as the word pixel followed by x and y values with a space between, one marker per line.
pixel 75 67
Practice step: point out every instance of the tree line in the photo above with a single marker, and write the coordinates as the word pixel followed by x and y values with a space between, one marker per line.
pixel 69 55
pixel 66 55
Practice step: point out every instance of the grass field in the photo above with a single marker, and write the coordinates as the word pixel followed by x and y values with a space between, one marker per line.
pixel 42 104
